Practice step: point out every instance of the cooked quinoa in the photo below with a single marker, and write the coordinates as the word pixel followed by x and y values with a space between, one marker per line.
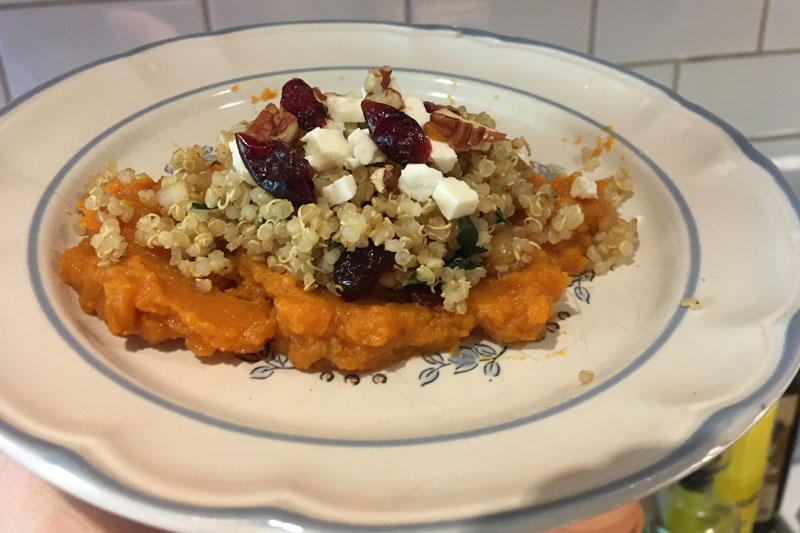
pixel 208 210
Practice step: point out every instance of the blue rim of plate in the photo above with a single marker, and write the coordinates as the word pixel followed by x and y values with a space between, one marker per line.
pixel 72 467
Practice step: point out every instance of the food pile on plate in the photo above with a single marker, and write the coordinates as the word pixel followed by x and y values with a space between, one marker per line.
pixel 350 231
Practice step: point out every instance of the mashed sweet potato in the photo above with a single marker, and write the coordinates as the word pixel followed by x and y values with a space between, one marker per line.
pixel 143 294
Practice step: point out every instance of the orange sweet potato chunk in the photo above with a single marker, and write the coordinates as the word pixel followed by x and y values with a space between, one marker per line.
pixel 517 306
pixel 144 295
pixel 318 329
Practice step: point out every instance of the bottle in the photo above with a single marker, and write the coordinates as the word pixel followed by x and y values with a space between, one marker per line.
pixel 690 505
pixel 784 437
pixel 743 475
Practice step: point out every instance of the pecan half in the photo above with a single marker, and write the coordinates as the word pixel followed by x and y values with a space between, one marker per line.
pixel 274 123
pixel 463 134
pixel 378 80
pixel 318 94
pixel 391 176
pixel 378 87
pixel 385 178
pixel 430 107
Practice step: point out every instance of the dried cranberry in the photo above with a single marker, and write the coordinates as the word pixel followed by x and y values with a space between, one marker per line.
pixel 422 294
pixel 357 271
pixel 297 97
pixel 277 168
pixel 397 134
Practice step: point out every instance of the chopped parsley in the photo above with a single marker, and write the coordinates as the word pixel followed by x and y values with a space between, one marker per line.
pixel 501 217
pixel 468 238
pixel 460 261
pixel 204 207
pixel 333 244
pixel 468 245
pixel 413 279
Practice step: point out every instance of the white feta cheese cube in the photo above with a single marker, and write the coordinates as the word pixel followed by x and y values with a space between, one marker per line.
pixel 344 108
pixel 365 151
pixel 583 187
pixel 377 179
pixel 326 148
pixel 415 108
pixel 333 125
pixel 341 190
pixel 443 156
pixel 238 163
pixel 419 180
pixel 455 198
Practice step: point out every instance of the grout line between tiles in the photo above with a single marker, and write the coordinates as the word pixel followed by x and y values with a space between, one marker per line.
pixel 741 55
pixel 676 75
pixel 48 3
pixel 206 14
pixel 762 26
pixel 648 63
pixel 788 136
pixel 592 26
pixel 710 57
pixel 407 10
pixel 4 82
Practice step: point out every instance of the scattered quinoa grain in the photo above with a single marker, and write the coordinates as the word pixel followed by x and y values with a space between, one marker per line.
pixel 692 303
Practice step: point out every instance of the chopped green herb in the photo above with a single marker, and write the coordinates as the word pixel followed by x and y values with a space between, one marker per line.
pixel 204 207
pixel 501 217
pixel 468 242
pixel 553 195
pixel 333 244
pixel 413 279
pixel 468 238
pixel 460 261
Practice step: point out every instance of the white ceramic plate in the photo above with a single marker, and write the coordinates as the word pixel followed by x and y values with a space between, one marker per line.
pixel 507 439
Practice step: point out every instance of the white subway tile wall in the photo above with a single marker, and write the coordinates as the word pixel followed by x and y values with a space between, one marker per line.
pixel 553 21
pixel 783 24
pixel 785 153
pixel 758 95
pixel 646 30
pixel 739 58
pixel 39 43
pixel 227 13
pixel 663 74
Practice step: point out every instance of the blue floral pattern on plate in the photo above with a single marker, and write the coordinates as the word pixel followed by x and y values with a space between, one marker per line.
pixel 467 359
